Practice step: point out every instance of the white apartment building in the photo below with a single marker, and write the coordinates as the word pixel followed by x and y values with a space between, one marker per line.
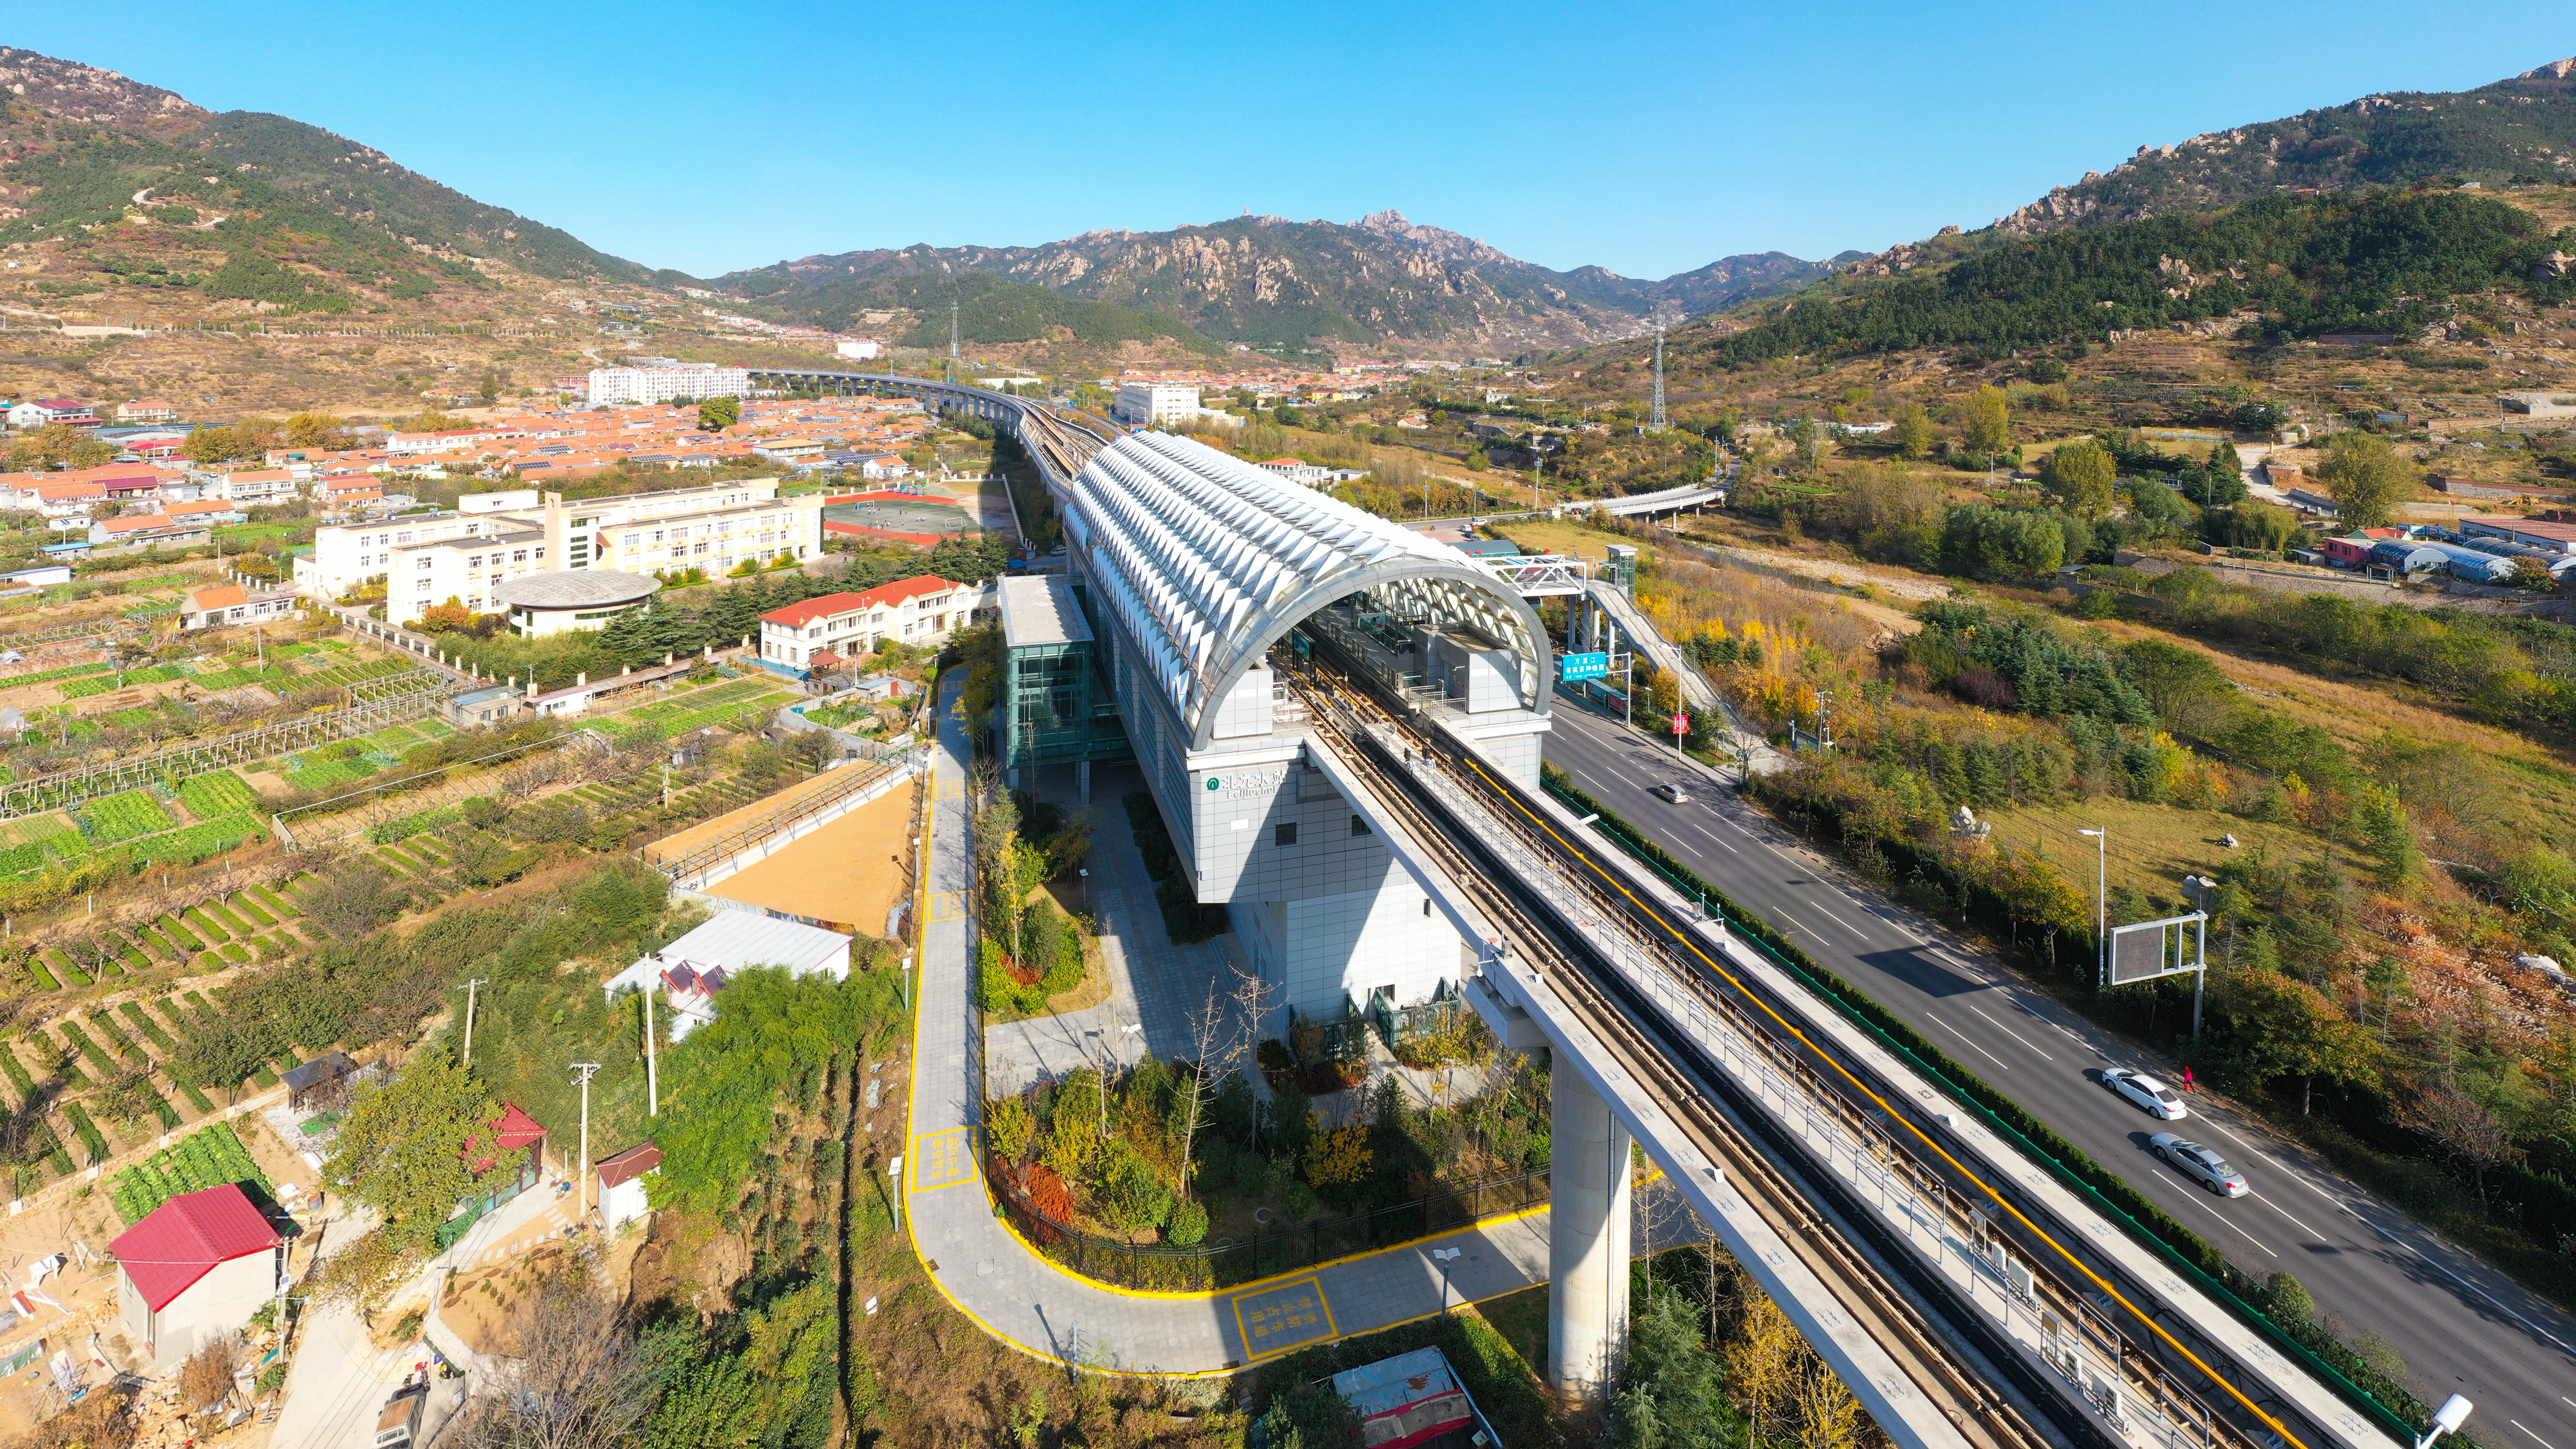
pixel 1155 404
pixel 489 539
pixel 661 384
pixel 247 487
pixel 918 610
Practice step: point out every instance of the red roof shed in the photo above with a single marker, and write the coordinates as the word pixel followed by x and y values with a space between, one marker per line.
pixel 188 1237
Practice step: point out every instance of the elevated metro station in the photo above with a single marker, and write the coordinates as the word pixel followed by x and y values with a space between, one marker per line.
pixel 1195 578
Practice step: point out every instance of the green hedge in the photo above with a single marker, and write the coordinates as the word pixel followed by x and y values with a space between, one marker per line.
pixel 2344 1369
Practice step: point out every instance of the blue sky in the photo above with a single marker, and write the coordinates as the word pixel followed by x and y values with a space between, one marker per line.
pixel 1645 138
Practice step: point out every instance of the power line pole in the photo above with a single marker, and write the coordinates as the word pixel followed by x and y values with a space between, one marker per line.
pixel 586 1069
pixel 1655 419
pixel 952 341
pixel 469 1017
pixel 652 1074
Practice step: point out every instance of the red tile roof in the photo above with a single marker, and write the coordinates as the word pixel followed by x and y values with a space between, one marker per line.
pixel 629 1165
pixel 517 1128
pixel 187 1237
pixel 219 598
pixel 797 616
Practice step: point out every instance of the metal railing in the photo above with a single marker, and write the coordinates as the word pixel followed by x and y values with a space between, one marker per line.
pixel 854 780
pixel 375 703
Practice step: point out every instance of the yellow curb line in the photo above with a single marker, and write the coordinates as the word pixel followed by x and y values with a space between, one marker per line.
pixel 930 824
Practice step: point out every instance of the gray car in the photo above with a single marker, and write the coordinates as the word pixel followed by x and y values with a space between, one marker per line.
pixel 2201 1164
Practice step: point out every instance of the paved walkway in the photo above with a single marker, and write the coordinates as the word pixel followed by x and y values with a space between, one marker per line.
pixel 1153 982
pixel 1031 1304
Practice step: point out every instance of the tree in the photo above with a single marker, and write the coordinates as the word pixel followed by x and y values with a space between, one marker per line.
pixel 312 430
pixel 2003 545
pixel 1986 421
pixel 1664 691
pixel 365 1274
pixel 1675 1395
pixel 1915 434
pixel 574 1377
pixel 2462 1126
pixel 719 413
pixel 2365 477
pixel 351 899
pixel 1309 1416
pixel 451 617
pixel 2082 477
pixel 2533 575
pixel 403 1146
pixel 431 420
pixel 489 390
pixel 2280 1026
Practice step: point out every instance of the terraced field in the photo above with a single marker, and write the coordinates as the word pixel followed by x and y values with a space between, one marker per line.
pixel 60 1063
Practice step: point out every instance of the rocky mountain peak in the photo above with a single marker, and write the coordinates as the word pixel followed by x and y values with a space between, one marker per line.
pixel 98 97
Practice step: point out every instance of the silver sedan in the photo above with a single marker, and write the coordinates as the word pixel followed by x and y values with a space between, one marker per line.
pixel 2201 1164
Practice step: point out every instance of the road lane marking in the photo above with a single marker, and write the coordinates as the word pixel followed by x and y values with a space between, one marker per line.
pixel 2276 1207
pixel 2008 1031
pixel 2222 1217
pixel 1839 921
pixel 2543 1443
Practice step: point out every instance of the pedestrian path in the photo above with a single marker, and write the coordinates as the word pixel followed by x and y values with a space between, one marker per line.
pixel 1028 1302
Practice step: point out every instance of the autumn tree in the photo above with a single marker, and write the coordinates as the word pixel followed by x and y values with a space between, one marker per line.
pixel 1985 421
pixel 2365 477
pixel 402 1149
pixel 2082 478
pixel 311 430
pixel 1915 435
pixel 2280 1026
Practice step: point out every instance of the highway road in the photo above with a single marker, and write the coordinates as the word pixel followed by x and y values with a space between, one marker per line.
pixel 2461 1326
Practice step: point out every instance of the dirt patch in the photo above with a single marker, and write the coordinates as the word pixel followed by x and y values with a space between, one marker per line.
pixel 848 874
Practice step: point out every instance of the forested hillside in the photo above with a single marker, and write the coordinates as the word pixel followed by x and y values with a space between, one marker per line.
pixel 89 148
pixel 2378 262
pixel 2522 128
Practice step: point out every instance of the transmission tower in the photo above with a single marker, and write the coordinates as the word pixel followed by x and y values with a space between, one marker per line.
pixel 1656 418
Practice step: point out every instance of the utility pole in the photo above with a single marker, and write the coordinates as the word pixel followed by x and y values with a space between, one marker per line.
pixel 469 1016
pixel 652 1074
pixel 2101 908
pixel 1656 418
pixel 586 1069
pixel 952 341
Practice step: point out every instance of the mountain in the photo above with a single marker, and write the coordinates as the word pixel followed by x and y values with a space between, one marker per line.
pixel 2518 129
pixel 2413 264
pixel 1273 284
pixel 82 144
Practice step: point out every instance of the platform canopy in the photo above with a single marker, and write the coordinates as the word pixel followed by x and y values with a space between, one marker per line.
pixel 1205 561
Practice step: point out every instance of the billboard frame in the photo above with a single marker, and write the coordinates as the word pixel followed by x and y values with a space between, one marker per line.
pixel 2169 963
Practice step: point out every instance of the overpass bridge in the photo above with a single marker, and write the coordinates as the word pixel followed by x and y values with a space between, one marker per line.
pixel 1340 723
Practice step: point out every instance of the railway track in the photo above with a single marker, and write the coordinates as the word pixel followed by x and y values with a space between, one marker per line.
pixel 1955 1386
pixel 2194 1398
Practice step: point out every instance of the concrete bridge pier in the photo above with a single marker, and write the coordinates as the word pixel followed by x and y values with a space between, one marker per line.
pixel 1587 1301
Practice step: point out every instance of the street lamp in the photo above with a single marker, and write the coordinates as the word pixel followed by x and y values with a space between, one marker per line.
pixel 2101 907
pixel 2453 1413
pixel 1441 1256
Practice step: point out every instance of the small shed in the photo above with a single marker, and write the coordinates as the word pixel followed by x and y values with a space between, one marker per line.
pixel 196 1267
pixel 319 1081
pixel 621 1183
pixel 693 969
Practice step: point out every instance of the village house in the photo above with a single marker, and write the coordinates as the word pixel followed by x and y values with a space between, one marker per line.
pixel 197 1267
pixel 918 610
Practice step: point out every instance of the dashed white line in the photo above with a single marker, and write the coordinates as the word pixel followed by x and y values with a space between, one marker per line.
pixel 2222 1217
pixel 2276 1207
pixel 2543 1443
pixel 1846 925
pixel 2008 1031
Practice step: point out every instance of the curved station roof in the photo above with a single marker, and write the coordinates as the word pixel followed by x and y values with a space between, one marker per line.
pixel 1206 561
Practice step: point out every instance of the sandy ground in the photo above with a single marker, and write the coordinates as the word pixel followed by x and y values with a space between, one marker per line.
pixel 851 871
pixel 699 834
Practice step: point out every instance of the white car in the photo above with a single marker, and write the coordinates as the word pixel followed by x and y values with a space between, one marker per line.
pixel 2145 1091
pixel 1674 793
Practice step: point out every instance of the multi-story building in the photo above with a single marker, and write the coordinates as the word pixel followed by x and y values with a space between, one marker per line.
pixel 490 538
pixel 1155 404
pixel 661 384
pixel 914 611
pixel 45 410
pixel 247 487
pixel 146 410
